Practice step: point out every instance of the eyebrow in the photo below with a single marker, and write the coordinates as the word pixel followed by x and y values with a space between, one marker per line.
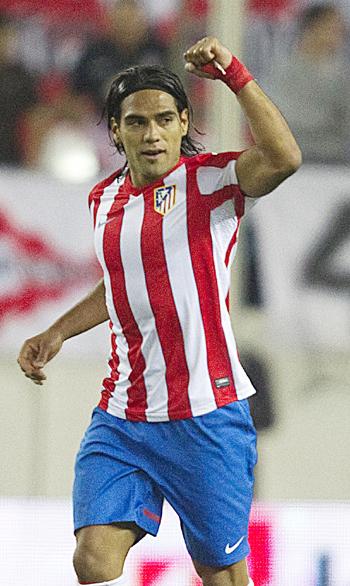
pixel 132 116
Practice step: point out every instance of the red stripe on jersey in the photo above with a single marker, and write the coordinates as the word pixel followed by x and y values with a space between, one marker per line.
pixel 219 160
pixel 227 259
pixel 165 314
pixel 231 245
pixel 239 203
pixel 137 393
pixel 201 247
pixel 232 190
pixel 224 194
pixel 109 382
pixel 97 192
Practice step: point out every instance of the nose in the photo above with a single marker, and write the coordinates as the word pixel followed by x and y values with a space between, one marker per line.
pixel 152 132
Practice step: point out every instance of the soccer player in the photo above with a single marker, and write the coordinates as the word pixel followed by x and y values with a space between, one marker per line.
pixel 173 421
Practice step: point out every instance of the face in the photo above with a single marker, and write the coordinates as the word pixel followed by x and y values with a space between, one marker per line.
pixel 328 33
pixel 150 130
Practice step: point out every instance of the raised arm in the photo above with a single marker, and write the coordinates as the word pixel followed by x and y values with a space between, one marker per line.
pixel 275 154
pixel 37 351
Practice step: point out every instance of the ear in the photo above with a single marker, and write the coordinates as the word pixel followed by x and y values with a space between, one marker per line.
pixel 184 121
pixel 115 131
pixel 114 128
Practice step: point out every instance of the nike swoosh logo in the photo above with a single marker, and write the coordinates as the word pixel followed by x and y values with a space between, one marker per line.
pixel 103 223
pixel 229 549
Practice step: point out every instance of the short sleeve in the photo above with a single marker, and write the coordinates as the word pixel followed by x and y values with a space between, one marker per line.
pixel 217 180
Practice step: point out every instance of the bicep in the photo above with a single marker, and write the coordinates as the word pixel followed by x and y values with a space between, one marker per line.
pixel 255 174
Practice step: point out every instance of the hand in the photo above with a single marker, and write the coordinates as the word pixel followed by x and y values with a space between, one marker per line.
pixel 207 50
pixel 37 351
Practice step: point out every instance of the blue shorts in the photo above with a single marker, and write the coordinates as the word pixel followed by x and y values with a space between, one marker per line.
pixel 202 466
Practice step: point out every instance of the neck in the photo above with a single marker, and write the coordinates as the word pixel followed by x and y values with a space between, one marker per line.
pixel 140 179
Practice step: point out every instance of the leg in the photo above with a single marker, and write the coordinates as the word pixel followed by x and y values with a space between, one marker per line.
pixel 101 551
pixel 234 575
pixel 115 502
pixel 211 459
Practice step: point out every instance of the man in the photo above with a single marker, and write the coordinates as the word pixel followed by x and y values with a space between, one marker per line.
pixel 18 94
pixel 312 86
pixel 173 420
pixel 128 40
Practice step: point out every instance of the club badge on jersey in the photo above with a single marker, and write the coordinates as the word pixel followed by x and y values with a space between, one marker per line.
pixel 164 199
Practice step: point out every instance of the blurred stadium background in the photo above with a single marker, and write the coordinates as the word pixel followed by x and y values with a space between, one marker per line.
pixel 289 301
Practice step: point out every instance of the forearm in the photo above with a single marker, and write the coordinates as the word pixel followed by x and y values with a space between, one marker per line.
pixel 275 154
pixel 88 313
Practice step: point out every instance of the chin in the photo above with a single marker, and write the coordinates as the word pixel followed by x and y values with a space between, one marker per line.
pixel 156 170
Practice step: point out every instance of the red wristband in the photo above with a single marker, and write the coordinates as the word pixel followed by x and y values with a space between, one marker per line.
pixel 235 76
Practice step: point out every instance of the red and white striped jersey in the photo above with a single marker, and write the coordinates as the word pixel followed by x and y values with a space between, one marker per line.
pixel 166 251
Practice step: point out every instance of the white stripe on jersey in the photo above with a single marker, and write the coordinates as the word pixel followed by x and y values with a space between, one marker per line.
pixel 221 240
pixel 212 179
pixel 182 278
pixel 114 407
pixel 92 210
pixel 135 282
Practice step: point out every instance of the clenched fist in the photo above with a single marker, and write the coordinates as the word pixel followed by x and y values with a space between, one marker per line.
pixel 207 51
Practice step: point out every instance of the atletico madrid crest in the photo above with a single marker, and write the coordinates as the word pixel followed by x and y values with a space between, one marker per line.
pixel 164 199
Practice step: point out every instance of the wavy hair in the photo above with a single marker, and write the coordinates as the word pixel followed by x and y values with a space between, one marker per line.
pixel 142 77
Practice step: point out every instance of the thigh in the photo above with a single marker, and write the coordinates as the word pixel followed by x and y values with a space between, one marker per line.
pixel 208 479
pixel 110 486
pixel 116 538
pixel 101 550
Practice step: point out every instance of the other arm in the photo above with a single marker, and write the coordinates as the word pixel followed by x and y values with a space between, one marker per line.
pixel 37 351
pixel 275 154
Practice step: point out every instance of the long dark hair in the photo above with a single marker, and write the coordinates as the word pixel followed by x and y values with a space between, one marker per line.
pixel 142 77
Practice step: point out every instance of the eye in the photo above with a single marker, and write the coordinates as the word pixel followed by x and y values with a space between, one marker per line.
pixel 166 120
pixel 135 122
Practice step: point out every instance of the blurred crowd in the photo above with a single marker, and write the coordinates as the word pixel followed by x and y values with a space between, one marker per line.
pixel 301 57
pixel 56 63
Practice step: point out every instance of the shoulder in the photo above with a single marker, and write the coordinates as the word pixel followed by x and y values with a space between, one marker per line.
pixel 218 160
pixel 214 171
pixel 97 191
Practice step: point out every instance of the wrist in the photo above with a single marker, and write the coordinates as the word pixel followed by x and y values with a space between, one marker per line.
pixel 236 75
pixel 57 331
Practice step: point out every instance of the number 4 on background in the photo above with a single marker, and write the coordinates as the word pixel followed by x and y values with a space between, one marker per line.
pixel 325 264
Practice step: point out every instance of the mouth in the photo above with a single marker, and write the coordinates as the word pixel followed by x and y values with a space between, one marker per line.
pixel 152 154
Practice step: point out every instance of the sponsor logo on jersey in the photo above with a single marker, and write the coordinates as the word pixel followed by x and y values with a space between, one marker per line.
pixel 103 221
pixel 222 382
pixel 164 199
